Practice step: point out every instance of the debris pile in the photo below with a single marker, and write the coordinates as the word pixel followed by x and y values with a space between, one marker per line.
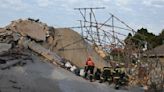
pixel 14 57
pixel 51 43
pixel 149 75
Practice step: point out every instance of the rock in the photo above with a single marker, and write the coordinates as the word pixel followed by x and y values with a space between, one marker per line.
pixel 4 47
pixel 24 42
pixel 16 36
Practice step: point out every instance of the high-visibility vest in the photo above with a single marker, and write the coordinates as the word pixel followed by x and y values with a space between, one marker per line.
pixel 90 63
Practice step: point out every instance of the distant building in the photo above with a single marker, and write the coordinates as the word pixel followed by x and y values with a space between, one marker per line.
pixel 156 52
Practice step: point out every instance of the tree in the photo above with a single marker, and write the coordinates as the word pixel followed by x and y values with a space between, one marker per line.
pixel 161 38
pixel 128 38
pixel 141 37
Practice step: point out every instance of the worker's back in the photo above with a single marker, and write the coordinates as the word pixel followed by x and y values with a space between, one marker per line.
pixel 90 63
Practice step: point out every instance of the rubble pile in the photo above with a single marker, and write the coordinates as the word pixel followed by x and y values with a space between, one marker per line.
pixel 14 57
pixel 11 54
pixel 149 75
pixel 51 43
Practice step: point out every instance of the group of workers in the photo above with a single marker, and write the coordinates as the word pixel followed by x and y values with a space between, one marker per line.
pixel 110 74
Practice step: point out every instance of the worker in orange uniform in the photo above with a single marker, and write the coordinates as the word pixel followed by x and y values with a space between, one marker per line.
pixel 89 68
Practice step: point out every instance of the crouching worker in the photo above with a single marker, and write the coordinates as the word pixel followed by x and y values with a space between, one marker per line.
pixel 106 75
pixel 89 68
pixel 97 74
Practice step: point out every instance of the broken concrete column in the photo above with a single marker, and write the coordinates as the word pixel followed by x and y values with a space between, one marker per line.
pixel 44 52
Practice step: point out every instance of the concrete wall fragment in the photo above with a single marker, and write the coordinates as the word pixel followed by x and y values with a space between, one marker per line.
pixel 4 47
pixel 33 29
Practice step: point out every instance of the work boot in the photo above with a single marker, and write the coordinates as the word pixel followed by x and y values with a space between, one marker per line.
pixel 91 78
pixel 101 81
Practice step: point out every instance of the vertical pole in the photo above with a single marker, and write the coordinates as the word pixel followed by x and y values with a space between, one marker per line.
pixel 81 28
pixel 113 29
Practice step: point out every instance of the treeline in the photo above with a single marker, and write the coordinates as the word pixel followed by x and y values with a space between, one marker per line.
pixel 146 39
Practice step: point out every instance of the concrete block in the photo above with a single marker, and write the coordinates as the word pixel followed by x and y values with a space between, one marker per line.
pixel 4 47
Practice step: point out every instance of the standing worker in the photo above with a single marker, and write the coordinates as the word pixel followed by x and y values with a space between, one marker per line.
pixel 116 76
pixel 89 68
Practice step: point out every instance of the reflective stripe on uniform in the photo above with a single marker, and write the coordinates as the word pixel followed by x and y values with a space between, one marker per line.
pixel 116 77
pixel 107 69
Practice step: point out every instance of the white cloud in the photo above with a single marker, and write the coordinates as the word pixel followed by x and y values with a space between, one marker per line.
pixel 13 4
pixel 44 3
pixel 122 2
pixel 124 5
pixel 72 1
pixel 154 3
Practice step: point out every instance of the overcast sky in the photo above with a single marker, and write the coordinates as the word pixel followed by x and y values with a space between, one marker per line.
pixel 136 13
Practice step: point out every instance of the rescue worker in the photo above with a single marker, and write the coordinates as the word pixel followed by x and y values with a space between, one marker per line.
pixel 97 74
pixel 89 68
pixel 123 76
pixel 116 77
pixel 106 74
pixel 117 70
pixel 77 71
pixel 120 76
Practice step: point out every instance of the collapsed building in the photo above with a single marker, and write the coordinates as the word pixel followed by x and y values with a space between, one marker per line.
pixel 23 40
pixel 45 40
pixel 24 43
